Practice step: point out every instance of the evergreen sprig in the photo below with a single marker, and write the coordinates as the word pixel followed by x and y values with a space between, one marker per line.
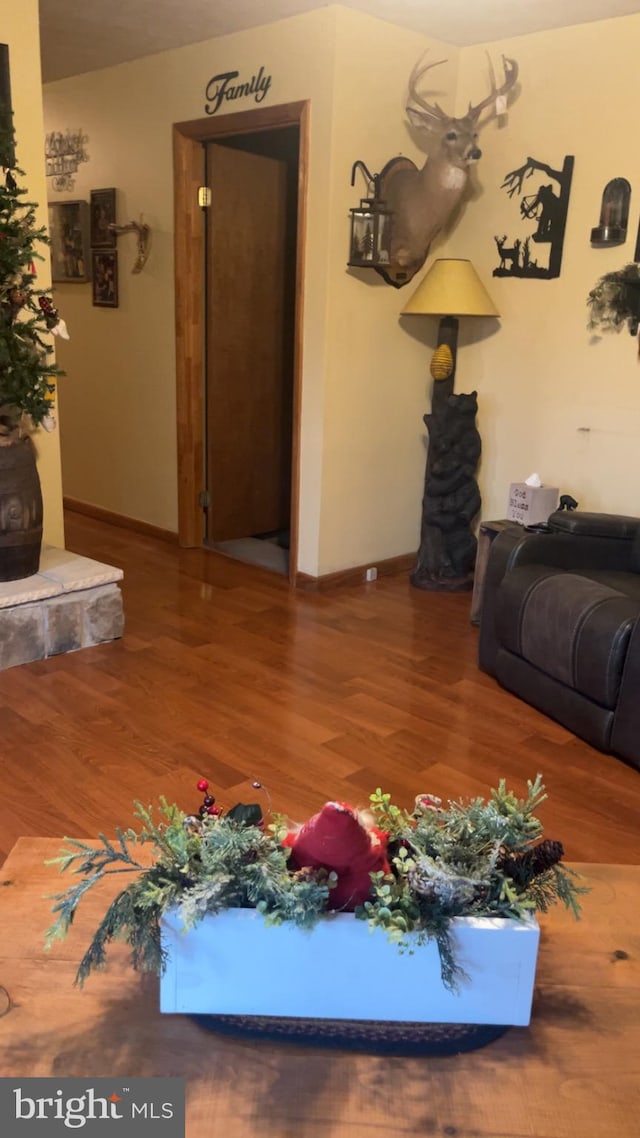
pixel 614 300
pixel 474 858
pixel 202 868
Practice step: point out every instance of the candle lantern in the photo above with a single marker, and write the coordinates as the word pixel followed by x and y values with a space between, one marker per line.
pixel 614 214
pixel 370 240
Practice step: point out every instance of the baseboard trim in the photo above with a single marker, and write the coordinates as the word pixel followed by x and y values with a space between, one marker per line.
pixel 121 520
pixel 357 575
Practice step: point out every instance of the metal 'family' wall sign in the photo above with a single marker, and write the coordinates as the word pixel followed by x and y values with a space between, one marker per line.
pixel 63 154
pixel 222 89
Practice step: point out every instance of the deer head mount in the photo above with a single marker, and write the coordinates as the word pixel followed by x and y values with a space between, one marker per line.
pixel 422 201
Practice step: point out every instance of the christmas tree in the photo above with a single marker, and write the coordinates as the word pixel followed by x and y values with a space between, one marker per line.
pixel 27 313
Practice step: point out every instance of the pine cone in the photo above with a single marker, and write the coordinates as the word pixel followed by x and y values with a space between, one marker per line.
pixel 522 868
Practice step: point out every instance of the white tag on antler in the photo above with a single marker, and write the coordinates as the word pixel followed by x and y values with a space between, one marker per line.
pixel 501 105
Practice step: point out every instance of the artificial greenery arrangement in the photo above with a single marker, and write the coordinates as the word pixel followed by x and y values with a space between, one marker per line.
pixel 407 872
pixel 614 300
pixel 27 313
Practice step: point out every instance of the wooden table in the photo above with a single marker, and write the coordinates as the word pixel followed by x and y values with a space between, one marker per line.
pixel 574 1073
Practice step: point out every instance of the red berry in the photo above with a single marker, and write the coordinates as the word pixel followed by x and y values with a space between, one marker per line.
pixel 202 784
pixel 215 810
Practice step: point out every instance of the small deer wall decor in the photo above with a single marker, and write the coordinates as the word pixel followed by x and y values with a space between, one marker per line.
pixel 422 201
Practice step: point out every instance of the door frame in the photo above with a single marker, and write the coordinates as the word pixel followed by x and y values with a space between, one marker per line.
pixel 190 265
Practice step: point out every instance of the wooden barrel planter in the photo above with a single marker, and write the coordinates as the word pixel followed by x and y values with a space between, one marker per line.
pixel 20 511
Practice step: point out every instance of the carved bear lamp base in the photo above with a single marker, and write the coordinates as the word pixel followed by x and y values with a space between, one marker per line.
pixel 451 501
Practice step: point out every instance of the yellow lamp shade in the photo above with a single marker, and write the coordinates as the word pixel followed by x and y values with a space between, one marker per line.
pixel 451 288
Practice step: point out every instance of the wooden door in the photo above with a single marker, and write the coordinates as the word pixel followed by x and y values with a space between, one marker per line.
pixel 248 371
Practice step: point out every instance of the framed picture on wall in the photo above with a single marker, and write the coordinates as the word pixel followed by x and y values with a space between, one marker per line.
pixel 103 214
pixel 105 279
pixel 69 233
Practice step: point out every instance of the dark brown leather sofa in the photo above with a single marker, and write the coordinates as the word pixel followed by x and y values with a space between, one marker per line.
pixel 560 624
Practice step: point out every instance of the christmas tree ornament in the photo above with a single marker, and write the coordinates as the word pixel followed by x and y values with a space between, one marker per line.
pixel 60 329
pixel 17 298
pixel 49 313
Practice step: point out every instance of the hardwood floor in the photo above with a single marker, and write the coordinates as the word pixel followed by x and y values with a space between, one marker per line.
pixel 224 672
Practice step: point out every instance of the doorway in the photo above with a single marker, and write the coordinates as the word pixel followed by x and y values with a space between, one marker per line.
pixel 251 253
pixel 238 373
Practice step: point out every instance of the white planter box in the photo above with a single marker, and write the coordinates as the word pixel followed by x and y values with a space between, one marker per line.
pixel 233 964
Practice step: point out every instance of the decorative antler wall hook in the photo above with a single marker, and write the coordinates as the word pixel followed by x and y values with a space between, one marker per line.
pixel 143 232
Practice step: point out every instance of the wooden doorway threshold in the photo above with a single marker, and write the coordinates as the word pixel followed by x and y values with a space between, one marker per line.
pixel 190 260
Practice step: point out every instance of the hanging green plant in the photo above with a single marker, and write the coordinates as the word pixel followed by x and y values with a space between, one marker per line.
pixel 614 300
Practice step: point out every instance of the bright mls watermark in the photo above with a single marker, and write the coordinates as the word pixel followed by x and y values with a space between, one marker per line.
pixel 128 1108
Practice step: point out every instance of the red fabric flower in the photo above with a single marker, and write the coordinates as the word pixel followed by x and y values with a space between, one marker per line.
pixel 336 839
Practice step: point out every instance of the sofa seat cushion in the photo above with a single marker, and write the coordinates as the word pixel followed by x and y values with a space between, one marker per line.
pixel 570 627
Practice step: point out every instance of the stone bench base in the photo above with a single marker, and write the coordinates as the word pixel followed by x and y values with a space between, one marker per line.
pixel 71 603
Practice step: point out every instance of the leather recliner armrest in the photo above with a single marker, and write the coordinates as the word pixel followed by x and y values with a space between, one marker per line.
pixel 567 551
pixel 582 524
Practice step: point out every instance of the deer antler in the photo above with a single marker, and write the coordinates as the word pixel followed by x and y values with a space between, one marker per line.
pixel 418 73
pixel 510 77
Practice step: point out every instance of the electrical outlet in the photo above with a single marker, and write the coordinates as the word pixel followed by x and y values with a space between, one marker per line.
pixel 371 575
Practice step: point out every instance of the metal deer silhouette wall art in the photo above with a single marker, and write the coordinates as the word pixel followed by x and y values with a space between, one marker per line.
pixel 422 201
pixel 543 218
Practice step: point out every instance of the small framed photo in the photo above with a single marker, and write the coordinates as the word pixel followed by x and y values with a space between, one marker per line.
pixel 103 214
pixel 105 279
pixel 69 233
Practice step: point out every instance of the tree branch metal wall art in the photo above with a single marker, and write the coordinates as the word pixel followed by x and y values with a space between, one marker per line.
pixel 536 249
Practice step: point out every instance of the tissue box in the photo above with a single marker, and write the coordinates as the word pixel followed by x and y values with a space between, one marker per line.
pixel 530 505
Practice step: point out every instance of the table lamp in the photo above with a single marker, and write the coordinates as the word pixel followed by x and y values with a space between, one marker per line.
pixel 451 501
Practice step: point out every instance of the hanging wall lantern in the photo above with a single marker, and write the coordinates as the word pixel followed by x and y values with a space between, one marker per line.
pixel 370 242
pixel 614 214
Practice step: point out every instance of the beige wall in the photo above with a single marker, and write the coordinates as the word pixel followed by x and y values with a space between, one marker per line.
pixel 365 369
pixel 121 363
pixel 543 376
pixel 19 28
pixel 364 387
pixel 377 366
